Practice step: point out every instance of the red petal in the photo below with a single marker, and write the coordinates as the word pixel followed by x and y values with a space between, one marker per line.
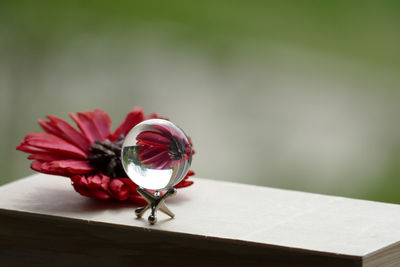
pixel 50 128
pixel 153 139
pixel 44 157
pixel 87 126
pixel 60 167
pixel 101 194
pixel 39 135
pixel 43 167
pixel 94 182
pixel 146 152
pixel 42 152
pixel 46 168
pixel 70 166
pixel 105 182
pixel 132 118
pixel 80 185
pixel 30 149
pixel 91 186
pixel 129 183
pixel 163 156
pixel 69 133
pixel 37 166
pixel 50 144
pixel 164 164
pixel 60 147
pixel 102 122
pixel 119 189
pixel 185 182
pixel 190 173
pixel 94 186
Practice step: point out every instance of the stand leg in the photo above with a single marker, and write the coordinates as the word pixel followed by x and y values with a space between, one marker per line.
pixel 155 202
pixel 140 211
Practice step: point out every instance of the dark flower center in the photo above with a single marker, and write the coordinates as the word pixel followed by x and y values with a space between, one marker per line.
pixel 106 157
pixel 176 149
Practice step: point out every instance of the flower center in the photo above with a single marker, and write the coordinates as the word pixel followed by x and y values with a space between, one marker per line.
pixel 176 148
pixel 106 157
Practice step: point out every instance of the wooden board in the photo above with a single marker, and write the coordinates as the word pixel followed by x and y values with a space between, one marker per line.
pixel 43 220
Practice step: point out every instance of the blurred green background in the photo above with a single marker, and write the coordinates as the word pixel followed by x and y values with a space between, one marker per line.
pixel 301 95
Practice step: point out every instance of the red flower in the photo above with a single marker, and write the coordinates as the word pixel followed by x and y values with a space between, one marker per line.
pixel 91 156
pixel 164 149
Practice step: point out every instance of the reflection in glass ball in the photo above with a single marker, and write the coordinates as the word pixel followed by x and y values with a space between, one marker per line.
pixel 156 154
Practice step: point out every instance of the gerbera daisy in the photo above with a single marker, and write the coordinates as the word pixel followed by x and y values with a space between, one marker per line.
pixel 89 157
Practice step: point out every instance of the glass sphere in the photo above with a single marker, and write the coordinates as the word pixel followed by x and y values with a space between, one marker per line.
pixel 156 154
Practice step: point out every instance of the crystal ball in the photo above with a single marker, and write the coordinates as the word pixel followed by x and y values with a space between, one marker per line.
pixel 156 154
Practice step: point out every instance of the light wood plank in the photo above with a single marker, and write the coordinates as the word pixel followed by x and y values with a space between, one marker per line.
pixel 266 223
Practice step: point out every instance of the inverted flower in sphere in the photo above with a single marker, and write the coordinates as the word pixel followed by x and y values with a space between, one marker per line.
pixel 90 156
pixel 163 149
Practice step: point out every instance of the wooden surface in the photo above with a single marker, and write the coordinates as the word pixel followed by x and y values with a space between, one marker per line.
pixel 43 220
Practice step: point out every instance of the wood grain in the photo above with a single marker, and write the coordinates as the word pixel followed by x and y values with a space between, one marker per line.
pixel 43 222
